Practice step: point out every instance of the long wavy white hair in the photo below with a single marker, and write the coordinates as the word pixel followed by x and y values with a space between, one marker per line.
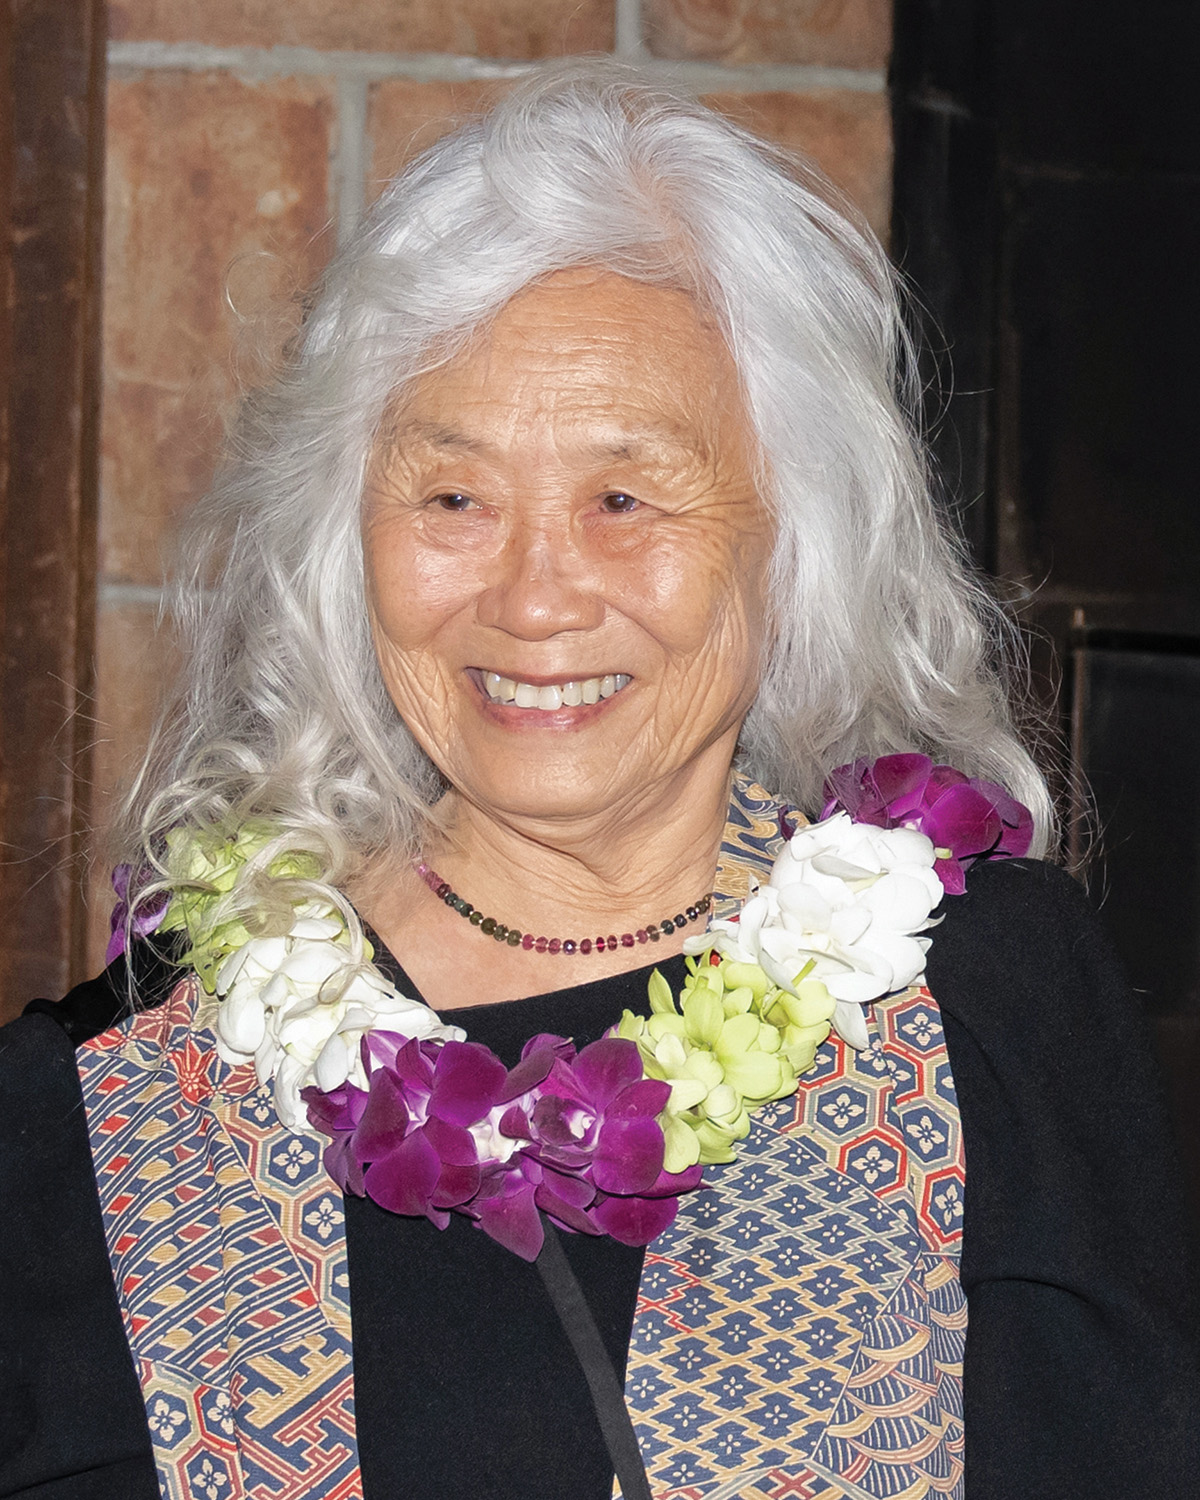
pixel 884 640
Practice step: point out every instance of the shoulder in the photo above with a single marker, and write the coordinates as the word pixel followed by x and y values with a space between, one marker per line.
pixel 1025 942
pixel 1015 907
pixel 37 1075
pixel 43 1133
pixel 1043 1029
pixel 1067 1142
pixel 139 982
pixel 45 1160
pixel 1081 1366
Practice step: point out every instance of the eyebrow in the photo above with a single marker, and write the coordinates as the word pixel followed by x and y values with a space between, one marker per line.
pixel 651 440
pixel 433 434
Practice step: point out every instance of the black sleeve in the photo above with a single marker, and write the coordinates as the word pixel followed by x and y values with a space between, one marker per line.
pixel 1081 1376
pixel 72 1421
pixel 142 980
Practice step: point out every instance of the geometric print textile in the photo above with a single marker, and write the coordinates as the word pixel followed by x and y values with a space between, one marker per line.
pixel 799 1330
pixel 801 1325
pixel 228 1252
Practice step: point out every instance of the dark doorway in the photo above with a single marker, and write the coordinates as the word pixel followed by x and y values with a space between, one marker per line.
pixel 1047 211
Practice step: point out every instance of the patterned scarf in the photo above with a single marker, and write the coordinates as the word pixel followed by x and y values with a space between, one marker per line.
pixel 800 1328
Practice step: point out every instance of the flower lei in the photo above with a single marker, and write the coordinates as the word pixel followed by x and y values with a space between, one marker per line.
pixel 605 1139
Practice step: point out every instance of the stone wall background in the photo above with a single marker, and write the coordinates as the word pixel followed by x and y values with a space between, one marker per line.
pixel 245 138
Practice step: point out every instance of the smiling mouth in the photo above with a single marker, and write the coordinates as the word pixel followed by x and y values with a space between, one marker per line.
pixel 549 696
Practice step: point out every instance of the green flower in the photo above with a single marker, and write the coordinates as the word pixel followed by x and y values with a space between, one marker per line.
pixel 803 1020
pixel 205 864
pixel 733 1042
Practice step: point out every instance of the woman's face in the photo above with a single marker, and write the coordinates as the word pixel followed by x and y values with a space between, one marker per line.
pixel 566 552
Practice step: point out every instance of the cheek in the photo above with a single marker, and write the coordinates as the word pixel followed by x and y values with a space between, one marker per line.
pixel 405 638
pixel 408 605
pixel 412 590
pixel 703 597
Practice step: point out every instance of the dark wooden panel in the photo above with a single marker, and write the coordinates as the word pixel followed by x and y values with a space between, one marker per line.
pixel 1061 270
pixel 944 237
pixel 55 86
pixel 1139 748
pixel 1101 307
pixel 1137 739
pixel 1106 86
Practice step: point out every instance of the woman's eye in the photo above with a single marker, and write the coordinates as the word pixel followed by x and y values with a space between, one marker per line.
pixel 453 501
pixel 619 504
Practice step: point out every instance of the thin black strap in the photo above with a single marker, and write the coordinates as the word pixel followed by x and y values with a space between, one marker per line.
pixel 607 1397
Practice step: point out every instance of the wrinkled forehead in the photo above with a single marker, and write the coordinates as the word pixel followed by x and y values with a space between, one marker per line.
pixel 642 367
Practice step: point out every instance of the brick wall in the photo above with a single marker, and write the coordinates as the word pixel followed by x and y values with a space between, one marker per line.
pixel 244 138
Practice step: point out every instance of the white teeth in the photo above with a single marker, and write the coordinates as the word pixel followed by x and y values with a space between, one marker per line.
pixel 553 695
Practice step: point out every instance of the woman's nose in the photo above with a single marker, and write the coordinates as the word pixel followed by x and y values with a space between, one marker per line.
pixel 542 585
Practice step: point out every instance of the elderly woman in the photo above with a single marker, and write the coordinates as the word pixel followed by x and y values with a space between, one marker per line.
pixel 500 1084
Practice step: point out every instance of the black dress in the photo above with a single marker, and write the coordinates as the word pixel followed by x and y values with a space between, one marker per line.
pixel 1081 1375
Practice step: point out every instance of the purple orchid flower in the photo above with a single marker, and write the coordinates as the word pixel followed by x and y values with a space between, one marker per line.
pixel 337 1114
pixel 966 817
pixel 415 1130
pixel 572 1136
pixel 595 1124
pixel 513 1195
pixel 146 917
pixel 597 1111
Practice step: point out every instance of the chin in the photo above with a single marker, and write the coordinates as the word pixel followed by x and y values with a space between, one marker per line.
pixel 543 791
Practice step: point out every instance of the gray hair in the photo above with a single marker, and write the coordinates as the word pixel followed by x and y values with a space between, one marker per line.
pixel 884 639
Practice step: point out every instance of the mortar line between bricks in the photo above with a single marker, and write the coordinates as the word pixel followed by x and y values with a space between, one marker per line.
pixel 349 166
pixel 113 593
pixel 630 42
pixel 276 62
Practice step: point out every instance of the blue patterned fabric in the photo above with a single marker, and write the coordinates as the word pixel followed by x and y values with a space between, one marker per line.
pixel 800 1327
pixel 228 1250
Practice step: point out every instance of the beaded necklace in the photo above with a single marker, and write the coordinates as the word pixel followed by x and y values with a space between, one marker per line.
pixel 515 938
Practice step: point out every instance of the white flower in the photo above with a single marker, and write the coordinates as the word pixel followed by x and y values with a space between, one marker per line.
pixel 298 1008
pixel 845 905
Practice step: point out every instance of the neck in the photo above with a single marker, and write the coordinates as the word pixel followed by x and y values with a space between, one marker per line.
pixel 648 857
pixel 654 849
